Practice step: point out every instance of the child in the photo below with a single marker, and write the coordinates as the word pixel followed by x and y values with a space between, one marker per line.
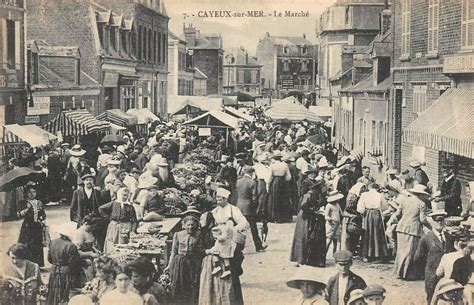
pixel 223 249
pixel 311 284
pixel 333 216
pixel 121 294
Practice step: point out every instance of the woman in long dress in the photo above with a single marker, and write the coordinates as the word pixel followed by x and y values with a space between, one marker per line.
pixel 374 244
pixel 31 232
pixel 278 204
pixel 350 241
pixel 123 219
pixel 309 241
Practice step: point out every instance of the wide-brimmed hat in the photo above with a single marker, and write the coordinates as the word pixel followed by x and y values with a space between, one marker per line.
pixel 65 144
pixel 145 181
pixel 373 290
pixel 419 189
pixel 67 229
pixel 446 285
pixel 334 196
pixel 307 274
pixel 277 154
pixel 191 210
pixel 415 164
pixel 394 185
pixel 438 208
pixel 87 176
pixel 355 295
pixel 77 151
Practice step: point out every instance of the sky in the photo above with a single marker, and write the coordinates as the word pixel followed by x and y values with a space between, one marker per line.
pixel 246 31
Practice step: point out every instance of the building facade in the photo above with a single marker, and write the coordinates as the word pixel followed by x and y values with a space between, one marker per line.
pixel 433 81
pixel 180 67
pixel 346 23
pixel 208 56
pixel 288 63
pixel 200 83
pixel 12 62
pixel 241 72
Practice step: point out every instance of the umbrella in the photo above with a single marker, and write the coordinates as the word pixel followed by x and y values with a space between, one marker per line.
pixel 317 139
pixel 112 139
pixel 18 177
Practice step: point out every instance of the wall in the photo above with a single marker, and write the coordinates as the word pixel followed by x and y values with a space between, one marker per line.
pixel 266 57
pixel 207 61
pixel 66 67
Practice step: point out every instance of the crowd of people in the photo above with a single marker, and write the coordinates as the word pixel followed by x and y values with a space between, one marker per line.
pixel 265 173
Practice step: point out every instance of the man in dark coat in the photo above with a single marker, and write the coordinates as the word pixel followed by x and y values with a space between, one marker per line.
pixel 433 245
pixel 228 175
pixel 419 175
pixel 142 158
pixel 246 194
pixel 345 279
pixel 85 200
pixel 451 192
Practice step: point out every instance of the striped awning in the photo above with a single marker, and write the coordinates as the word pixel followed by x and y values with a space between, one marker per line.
pixel 31 134
pixel 76 123
pixel 118 117
pixel 447 125
pixel 289 109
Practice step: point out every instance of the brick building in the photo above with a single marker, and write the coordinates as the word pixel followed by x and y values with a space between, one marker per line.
pixel 147 22
pixel 288 63
pixel 12 62
pixel 180 67
pixel 207 56
pixel 346 23
pixel 433 81
pixel 241 72
pixel 58 83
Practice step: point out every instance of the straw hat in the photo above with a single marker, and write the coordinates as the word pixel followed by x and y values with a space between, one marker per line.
pixel 77 151
pixel 277 154
pixel 446 285
pixel 145 181
pixel 394 185
pixel 438 208
pixel 415 164
pixel 355 295
pixel 191 210
pixel 419 189
pixel 67 229
pixel 334 196
pixel 307 274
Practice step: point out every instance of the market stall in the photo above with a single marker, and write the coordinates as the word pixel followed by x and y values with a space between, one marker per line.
pixel 118 117
pixel 239 114
pixel 190 106
pixel 289 109
pixel 144 118
pixel 30 134
pixel 76 123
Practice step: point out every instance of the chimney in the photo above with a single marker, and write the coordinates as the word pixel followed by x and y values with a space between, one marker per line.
pixel 304 35
pixel 190 35
pixel 385 21
pixel 267 34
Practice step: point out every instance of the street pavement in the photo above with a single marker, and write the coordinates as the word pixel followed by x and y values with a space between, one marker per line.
pixel 266 273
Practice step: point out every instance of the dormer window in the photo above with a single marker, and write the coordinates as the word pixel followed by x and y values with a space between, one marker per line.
pixel 113 38
pixel 304 50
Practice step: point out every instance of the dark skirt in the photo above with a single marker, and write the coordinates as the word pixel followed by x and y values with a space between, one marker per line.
pixel 31 234
pixel 262 200
pixel 309 241
pixel 184 273
pixel 59 285
pixel 279 206
pixel 374 244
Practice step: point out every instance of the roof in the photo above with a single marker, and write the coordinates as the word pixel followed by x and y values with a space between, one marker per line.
pixel 118 117
pixel 172 35
pixel 290 40
pixel 50 79
pixel 31 134
pixel 382 46
pixel 178 103
pixel 242 58
pixel 447 125
pixel 367 85
pixel 290 109
pixel 206 41
pixel 199 74
pixel 214 118
pixel 355 49
pixel 59 51
pixel 239 114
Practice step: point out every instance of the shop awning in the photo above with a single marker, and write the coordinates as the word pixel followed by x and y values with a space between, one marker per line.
pixel 31 134
pixel 118 117
pixel 182 104
pixel 214 119
pixel 76 123
pixel 447 125
pixel 116 129
pixel 143 115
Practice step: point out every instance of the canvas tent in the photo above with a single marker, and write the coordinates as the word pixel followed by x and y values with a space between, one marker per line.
pixel 290 109
pixel 76 123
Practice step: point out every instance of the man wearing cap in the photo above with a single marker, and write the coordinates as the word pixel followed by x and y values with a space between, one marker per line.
pixel 451 192
pixel 85 200
pixel 246 193
pixel 345 281
pixel 432 247
pixel 419 174
pixel 374 295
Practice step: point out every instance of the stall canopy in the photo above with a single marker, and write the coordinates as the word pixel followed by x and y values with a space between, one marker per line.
pixel 183 104
pixel 31 134
pixel 447 125
pixel 214 118
pixel 143 115
pixel 238 114
pixel 76 123
pixel 226 100
pixel 289 109
pixel 118 117
pixel 117 129
pixel 321 111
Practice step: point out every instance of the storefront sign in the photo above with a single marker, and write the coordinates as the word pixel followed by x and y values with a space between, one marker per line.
pixel 287 83
pixel 32 119
pixel 204 132
pixel 459 64
pixel 41 105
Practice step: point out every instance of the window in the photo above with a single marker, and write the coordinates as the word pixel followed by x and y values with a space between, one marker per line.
pixel 286 65
pixel 133 37
pixel 154 46
pixel 361 132
pixel 145 39
pixel 163 45
pixel 304 65
pixel 373 135
pixel 113 38
pixel 286 50
pixel 241 75
pixel 467 24
pixel 11 45
pixel 101 35
pixel 253 76
pixel 419 98
pixel 140 37
pixel 304 50
pixel 128 96
pixel 150 45
pixel 406 23
pixel 433 24
pixel 380 134
pixel 159 47
pixel 124 40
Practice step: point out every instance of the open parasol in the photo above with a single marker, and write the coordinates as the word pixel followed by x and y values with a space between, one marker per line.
pixel 18 177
